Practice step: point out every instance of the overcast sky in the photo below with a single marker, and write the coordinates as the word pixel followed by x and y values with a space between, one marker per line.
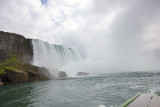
pixel 98 29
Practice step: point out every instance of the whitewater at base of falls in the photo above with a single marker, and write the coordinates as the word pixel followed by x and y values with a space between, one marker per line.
pixel 54 57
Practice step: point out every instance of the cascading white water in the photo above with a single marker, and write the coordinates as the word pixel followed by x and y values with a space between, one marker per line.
pixel 53 57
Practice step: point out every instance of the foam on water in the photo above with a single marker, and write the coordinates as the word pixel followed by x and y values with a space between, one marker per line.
pixel 101 106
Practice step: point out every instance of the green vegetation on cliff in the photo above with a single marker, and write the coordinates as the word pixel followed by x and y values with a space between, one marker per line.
pixel 9 63
pixel 14 63
pixel 16 54
pixel 13 70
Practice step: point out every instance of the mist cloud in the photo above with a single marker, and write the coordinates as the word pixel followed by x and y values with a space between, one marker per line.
pixel 113 35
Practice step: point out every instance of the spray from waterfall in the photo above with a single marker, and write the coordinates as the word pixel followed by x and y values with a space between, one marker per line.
pixel 54 57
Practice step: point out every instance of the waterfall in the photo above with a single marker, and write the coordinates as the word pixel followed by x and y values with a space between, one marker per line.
pixel 53 57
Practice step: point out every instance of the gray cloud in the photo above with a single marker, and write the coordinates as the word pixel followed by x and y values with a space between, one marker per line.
pixel 112 34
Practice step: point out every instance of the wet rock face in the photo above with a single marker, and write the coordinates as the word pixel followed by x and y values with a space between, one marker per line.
pixel 44 72
pixel 81 74
pixel 19 76
pixel 1 83
pixel 11 43
pixel 62 74
pixel 16 76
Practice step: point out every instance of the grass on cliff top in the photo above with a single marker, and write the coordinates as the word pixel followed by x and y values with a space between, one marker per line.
pixel 14 63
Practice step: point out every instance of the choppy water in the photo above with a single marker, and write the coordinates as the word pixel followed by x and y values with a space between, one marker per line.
pixel 109 90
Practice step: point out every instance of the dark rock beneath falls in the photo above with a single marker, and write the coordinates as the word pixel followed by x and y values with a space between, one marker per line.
pixel 81 74
pixel 15 76
pixel 62 74
pixel 1 83
pixel 28 74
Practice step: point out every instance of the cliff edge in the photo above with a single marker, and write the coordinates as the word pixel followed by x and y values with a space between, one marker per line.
pixel 16 54
pixel 11 43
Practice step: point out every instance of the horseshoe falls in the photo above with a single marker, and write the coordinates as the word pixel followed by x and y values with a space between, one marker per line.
pixel 54 57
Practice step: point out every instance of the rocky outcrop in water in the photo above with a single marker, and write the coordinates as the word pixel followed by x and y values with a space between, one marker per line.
pixel 11 43
pixel 81 74
pixel 1 83
pixel 29 74
pixel 15 76
pixel 62 75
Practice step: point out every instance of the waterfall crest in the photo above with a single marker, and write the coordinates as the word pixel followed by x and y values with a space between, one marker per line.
pixel 53 57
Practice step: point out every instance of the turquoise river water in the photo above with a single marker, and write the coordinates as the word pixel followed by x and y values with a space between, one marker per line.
pixel 108 90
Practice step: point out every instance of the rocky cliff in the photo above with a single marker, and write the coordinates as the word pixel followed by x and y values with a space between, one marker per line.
pixel 28 73
pixel 11 43
pixel 16 53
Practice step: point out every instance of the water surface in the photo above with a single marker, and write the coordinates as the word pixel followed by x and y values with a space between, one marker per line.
pixel 109 90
